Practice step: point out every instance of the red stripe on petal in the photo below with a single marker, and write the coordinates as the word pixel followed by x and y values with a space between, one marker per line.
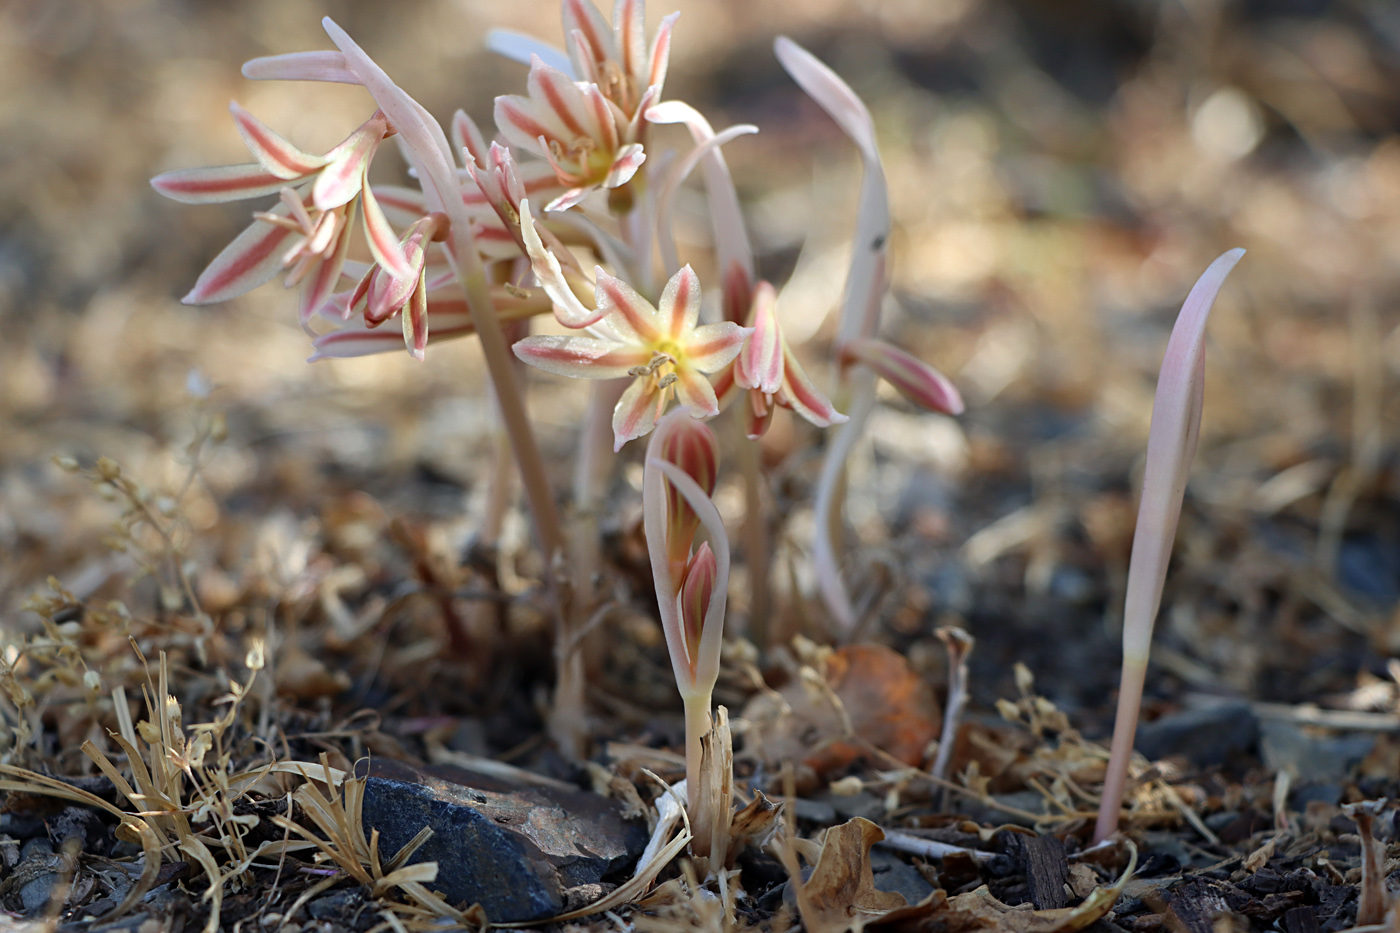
pixel 635 311
pixel 713 346
pixel 270 148
pixel 799 393
pixel 218 184
pixel 383 242
pixel 252 259
pixel 637 411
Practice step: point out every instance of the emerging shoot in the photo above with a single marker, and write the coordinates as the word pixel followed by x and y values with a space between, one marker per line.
pixel 1171 445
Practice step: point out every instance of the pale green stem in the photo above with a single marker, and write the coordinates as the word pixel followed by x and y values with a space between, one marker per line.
pixel 697 726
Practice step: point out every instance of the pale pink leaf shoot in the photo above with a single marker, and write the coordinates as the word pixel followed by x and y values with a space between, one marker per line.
pixel 1171 446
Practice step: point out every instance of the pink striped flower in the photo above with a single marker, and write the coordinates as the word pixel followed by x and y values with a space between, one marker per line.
pixel 306 234
pixel 768 374
pixel 662 347
pixel 615 59
pixel 575 127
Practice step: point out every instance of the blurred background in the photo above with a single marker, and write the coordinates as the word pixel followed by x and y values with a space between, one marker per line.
pixel 1060 172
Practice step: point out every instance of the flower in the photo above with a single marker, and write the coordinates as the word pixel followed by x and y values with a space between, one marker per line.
pixel 768 373
pixel 572 125
pixel 306 233
pixel 660 346
pixel 614 59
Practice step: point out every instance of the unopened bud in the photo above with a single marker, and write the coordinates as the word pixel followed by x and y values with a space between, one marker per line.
pixel 695 595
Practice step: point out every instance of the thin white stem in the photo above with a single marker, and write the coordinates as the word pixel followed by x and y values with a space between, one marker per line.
pixel 1124 732
pixel 756 544
pixel 831 484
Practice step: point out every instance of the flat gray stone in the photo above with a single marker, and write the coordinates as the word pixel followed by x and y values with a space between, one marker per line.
pixel 1211 734
pixel 513 849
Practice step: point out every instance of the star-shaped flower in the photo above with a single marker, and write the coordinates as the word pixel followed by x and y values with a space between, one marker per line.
pixel 662 347
pixel 306 233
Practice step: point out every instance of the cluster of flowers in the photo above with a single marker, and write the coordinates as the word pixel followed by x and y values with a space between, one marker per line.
pixel 497 233
pixel 577 144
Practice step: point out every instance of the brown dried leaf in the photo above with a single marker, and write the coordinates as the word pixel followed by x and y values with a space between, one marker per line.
pixel 841 894
pixel 865 695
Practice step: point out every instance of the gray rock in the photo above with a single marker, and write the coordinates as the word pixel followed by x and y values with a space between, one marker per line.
pixel 1208 735
pixel 814 811
pixel 863 804
pixel 1313 758
pixel 338 905
pixel 1321 759
pixel 514 849
pixel 36 893
pixel 892 873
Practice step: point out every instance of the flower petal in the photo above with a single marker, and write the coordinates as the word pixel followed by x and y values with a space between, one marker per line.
pixel 252 259
pixel 383 242
pixel 402 206
pixel 629 159
pixel 695 594
pixel 323 279
pixel 523 122
pixel 629 313
pixel 799 393
pixel 271 149
pixel 694 391
pixel 758 415
pixel 581 357
pixel 518 47
pixel 691 445
pixel 660 52
pixel 355 338
pixel 555 89
pixel 301 66
pixel 466 136
pixel 415 322
pixel 567 308
pixel 679 307
pixel 629 25
pixel 343 177
pixel 760 364
pixel 218 184
pixel 591 39
pixel 637 411
pixel 917 381
pixel 711 346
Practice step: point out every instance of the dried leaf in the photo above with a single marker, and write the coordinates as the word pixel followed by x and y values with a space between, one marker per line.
pixel 867 696
pixel 841 894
